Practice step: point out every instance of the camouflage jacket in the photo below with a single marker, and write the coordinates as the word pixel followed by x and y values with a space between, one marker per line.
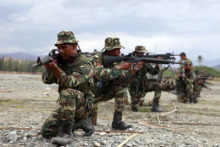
pixel 110 75
pixel 190 77
pixel 77 75
pixel 182 65
pixel 140 79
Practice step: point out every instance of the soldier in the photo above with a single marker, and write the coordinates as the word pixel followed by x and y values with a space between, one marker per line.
pixel 184 58
pixel 140 84
pixel 185 79
pixel 111 82
pixel 197 86
pixel 181 69
pixel 73 73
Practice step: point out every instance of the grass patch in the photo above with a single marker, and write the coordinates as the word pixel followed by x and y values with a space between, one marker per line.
pixel 11 102
pixel 20 106
pixel 144 109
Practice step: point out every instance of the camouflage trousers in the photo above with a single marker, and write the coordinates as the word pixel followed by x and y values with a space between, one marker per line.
pixel 185 92
pixel 108 93
pixel 197 89
pixel 137 92
pixel 73 106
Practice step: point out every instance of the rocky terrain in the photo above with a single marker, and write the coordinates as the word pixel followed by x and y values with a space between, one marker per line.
pixel 25 103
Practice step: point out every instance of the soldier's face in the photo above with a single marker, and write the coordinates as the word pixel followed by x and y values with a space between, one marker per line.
pixel 66 50
pixel 187 67
pixel 114 52
pixel 183 57
pixel 139 54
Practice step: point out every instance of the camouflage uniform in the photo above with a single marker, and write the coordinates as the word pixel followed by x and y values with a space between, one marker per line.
pixel 168 85
pixel 111 82
pixel 197 86
pixel 140 84
pixel 75 90
pixel 185 86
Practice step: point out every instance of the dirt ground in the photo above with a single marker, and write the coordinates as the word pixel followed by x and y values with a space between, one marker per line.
pixel 25 102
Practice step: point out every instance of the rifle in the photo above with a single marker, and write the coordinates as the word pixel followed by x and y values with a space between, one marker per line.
pixel 108 60
pixel 203 83
pixel 52 54
pixel 164 56
pixel 45 60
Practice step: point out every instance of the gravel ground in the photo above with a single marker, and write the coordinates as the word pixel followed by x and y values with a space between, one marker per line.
pixel 25 103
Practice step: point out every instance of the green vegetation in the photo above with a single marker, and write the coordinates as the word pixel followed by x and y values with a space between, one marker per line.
pixel 210 71
pixel 14 65
pixel 144 109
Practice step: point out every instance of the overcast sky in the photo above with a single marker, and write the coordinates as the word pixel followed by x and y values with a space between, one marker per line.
pixel 192 26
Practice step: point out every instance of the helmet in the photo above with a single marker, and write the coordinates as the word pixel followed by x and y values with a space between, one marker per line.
pixel 140 49
pixel 112 43
pixel 66 37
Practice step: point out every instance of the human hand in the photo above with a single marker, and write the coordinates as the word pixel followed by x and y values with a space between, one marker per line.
pixel 51 65
pixel 125 66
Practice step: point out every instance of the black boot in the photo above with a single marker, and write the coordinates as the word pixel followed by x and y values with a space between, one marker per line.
pixel 86 125
pixel 155 106
pixel 133 108
pixel 118 124
pixel 195 99
pixel 63 137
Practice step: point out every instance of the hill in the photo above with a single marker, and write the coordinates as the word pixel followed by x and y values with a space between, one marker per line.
pixel 217 67
pixel 20 55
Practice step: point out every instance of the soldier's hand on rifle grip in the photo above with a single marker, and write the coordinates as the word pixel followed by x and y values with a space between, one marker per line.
pixel 51 66
pixel 125 65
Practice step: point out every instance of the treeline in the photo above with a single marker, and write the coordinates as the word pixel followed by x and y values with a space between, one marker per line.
pixel 15 65
pixel 209 71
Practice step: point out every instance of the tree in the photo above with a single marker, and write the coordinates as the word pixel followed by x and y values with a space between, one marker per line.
pixel 200 59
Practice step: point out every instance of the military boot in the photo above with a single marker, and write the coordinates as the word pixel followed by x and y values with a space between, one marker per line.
pixel 63 137
pixel 86 125
pixel 118 124
pixel 134 108
pixel 141 103
pixel 155 106
pixel 195 99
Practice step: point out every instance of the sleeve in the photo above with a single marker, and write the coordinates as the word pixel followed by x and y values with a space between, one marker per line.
pixel 106 74
pixel 51 78
pixel 147 67
pixel 81 75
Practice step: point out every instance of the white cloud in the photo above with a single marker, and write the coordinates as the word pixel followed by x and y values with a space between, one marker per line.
pixel 161 25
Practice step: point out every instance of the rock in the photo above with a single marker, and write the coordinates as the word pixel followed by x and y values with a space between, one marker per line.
pixel 12 136
pixel 102 133
pixel 215 145
pixel 103 142
pixel 96 144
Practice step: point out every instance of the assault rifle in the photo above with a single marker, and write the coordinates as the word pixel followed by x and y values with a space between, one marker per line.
pixel 166 56
pixel 45 60
pixel 108 60
pixel 203 83
pixel 54 54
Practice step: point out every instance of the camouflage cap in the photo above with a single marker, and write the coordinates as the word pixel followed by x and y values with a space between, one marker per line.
pixel 112 43
pixel 66 37
pixel 140 49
